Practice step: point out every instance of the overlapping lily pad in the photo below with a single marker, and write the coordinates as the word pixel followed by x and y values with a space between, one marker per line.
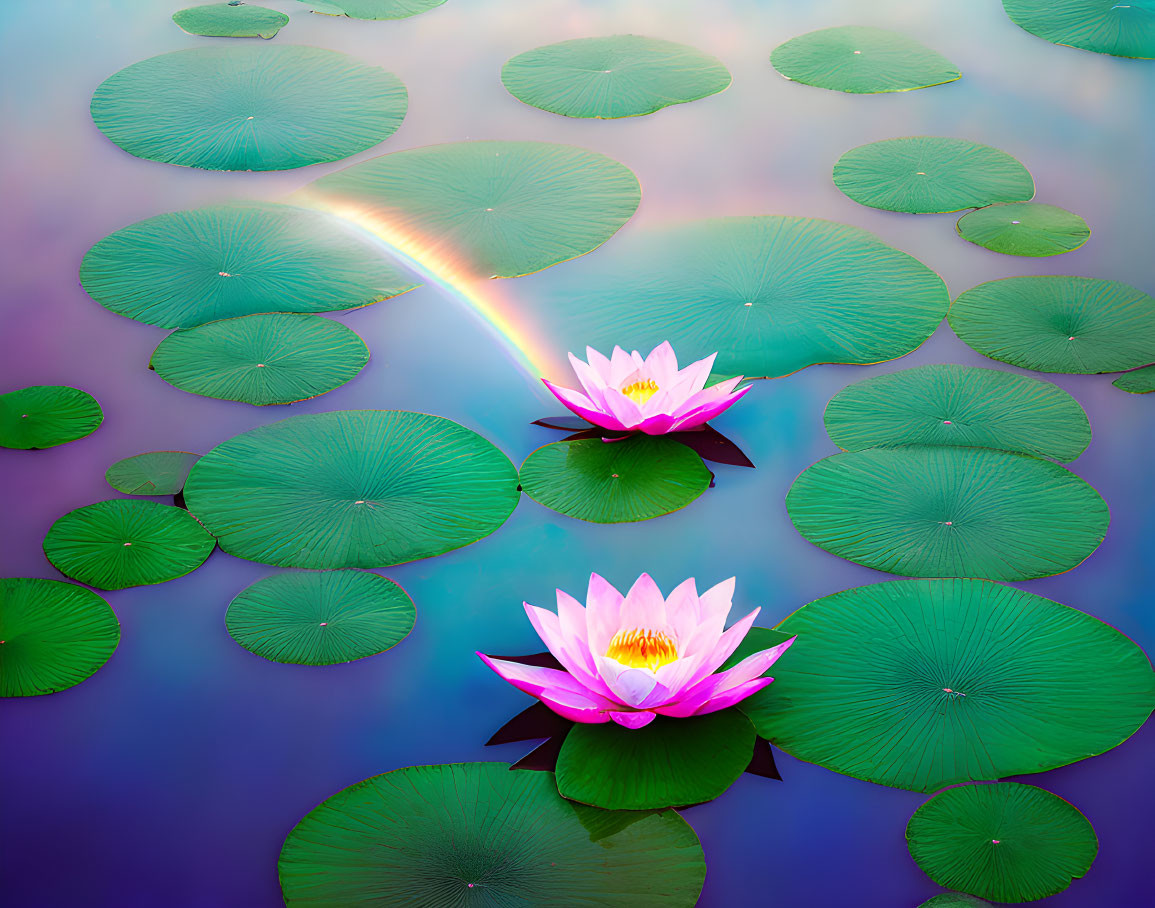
pixel 928 174
pixel 190 267
pixel 320 618
pixel 477 834
pixel 274 358
pixel 154 473
pixel 919 684
pixel 949 512
pixel 1058 324
pixel 1024 228
pixel 1137 381
pixel 352 488
pixel 116 544
pixel 945 404
pixel 1124 29
pixel 44 416
pixel 241 107
pixel 1007 842
pixel 53 635
pixel 615 76
pixel 770 295
pixel 861 60
pixel 230 20
pixel 490 209
pixel 372 9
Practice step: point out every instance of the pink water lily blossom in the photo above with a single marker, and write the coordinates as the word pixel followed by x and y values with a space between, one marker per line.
pixel 650 395
pixel 630 658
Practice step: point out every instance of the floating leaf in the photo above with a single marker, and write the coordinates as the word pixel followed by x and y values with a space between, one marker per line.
pixel 861 60
pixel 276 358
pixel 955 900
pixel 494 209
pixel 478 834
pixel 230 20
pixel 155 473
pixel 320 618
pixel 1058 324
pixel 352 488
pixel 1124 29
pixel 949 512
pixel 44 416
pixel 616 76
pixel 919 684
pixel 1008 842
pixel 249 108
pixel 190 267
pixel 945 404
pixel 1024 228
pixel 927 174
pixel 372 9
pixel 1137 381
pixel 116 544
pixel 53 635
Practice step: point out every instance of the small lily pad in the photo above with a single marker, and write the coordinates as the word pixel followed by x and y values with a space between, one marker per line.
pixel 1007 842
pixel 155 473
pixel 1024 228
pixel 1123 29
pixel 44 416
pixel 372 9
pixel 955 900
pixel 230 20
pixel 929 174
pixel 1137 381
pixel 116 544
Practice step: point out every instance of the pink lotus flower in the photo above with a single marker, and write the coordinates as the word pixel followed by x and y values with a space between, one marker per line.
pixel 630 658
pixel 651 395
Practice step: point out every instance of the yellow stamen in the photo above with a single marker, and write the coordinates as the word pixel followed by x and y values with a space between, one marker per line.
pixel 642 649
pixel 641 391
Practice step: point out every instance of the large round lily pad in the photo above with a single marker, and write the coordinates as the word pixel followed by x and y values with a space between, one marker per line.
pixel 949 512
pixel 154 473
pixel 189 267
pixel 1058 324
pixel 1024 228
pixel 945 404
pixel 240 107
pixel 927 174
pixel 490 209
pixel 861 60
pixel 476 834
pixel 919 684
pixel 230 20
pixel 1137 381
pixel 372 9
pixel 126 542
pixel 352 488
pixel 1007 842
pixel 614 482
pixel 274 358
pixel 53 635
pixel 320 618
pixel 1124 28
pixel 616 76
pixel 769 295
pixel 44 416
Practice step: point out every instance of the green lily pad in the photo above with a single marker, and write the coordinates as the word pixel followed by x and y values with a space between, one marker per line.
pixel 1137 381
pixel 372 9
pixel 1024 228
pixel 919 684
pixel 955 900
pixel 616 76
pixel 1124 29
pixel 53 635
pixel 239 107
pixel 616 482
pixel 190 267
pixel 770 295
pixel 476 834
pixel 44 416
pixel 155 473
pixel 861 60
pixel 949 512
pixel 116 544
pixel 493 209
pixel 930 174
pixel 230 20
pixel 1058 324
pixel 1008 842
pixel 275 358
pixel 320 618
pixel 668 763
pixel 945 404
pixel 352 488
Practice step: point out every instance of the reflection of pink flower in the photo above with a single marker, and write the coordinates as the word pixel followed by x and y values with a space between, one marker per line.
pixel 651 395
pixel 629 658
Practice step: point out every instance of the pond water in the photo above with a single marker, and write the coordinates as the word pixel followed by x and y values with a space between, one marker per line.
pixel 171 776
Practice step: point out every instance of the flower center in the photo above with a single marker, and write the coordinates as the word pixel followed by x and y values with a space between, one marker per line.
pixel 642 648
pixel 640 391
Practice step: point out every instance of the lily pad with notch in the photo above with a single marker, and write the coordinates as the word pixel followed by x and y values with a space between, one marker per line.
pixel 230 20
pixel 154 473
